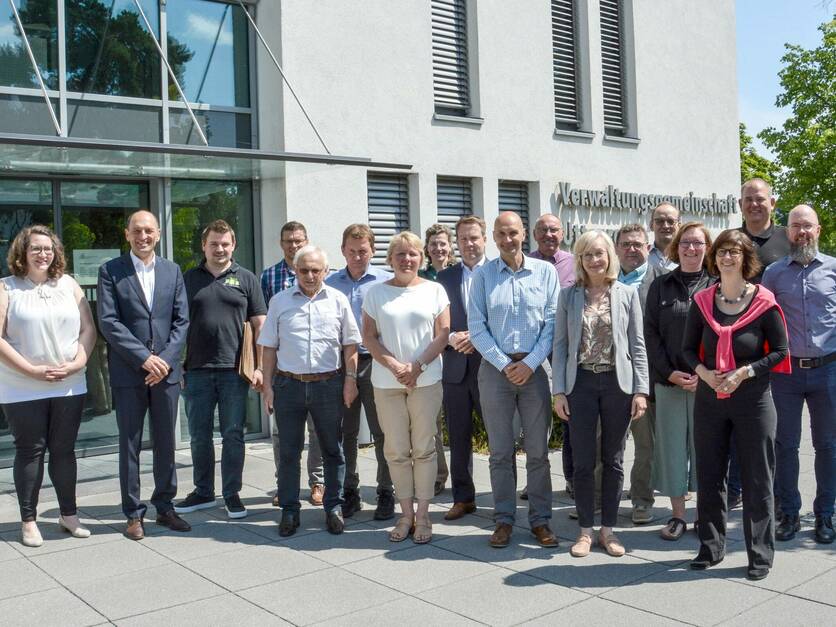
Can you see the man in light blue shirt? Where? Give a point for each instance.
(354, 281)
(511, 322)
(804, 284)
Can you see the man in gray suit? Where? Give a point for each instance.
(144, 316)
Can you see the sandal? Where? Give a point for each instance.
(674, 530)
(403, 529)
(423, 531)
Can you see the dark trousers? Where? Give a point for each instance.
(748, 418)
(817, 387)
(324, 401)
(351, 430)
(49, 424)
(206, 389)
(460, 400)
(566, 454)
(597, 398)
(160, 403)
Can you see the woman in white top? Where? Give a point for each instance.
(46, 335)
(406, 323)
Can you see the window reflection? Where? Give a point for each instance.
(40, 22)
(215, 69)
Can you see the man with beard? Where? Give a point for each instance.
(664, 222)
(804, 284)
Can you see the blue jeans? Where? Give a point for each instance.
(205, 389)
(817, 386)
(324, 401)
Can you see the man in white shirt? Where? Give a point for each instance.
(312, 330)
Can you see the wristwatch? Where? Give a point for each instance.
(351, 374)
(750, 371)
(421, 365)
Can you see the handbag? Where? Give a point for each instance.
(247, 360)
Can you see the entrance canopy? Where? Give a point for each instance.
(38, 154)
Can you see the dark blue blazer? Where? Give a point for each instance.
(456, 365)
(132, 330)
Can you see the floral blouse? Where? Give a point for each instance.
(596, 334)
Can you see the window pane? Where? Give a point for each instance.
(22, 202)
(114, 121)
(40, 21)
(210, 42)
(222, 128)
(109, 49)
(26, 114)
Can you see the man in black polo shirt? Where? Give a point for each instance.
(222, 295)
(758, 204)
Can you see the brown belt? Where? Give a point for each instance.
(309, 378)
(517, 356)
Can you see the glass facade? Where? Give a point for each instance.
(40, 23)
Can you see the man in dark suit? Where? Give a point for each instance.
(144, 316)
(461, 364)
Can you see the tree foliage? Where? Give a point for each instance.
(753, 165)
(805, 147)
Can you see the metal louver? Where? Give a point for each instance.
(513, 196)
(612, 61)
(388, 210)
(564, 63)
(455, 200)
(451, 85)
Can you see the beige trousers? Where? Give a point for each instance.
(408, 420)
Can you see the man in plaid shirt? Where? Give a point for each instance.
(275, 279)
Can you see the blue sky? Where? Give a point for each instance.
(763, 27)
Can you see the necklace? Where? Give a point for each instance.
(733, 301)
(40, 288)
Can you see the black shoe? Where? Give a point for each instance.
(824, 530)
(704, 561)
(734, 501)
(275, 501)
(352, 503)
(524, 494)
(787, 528)
(756, 574)
(171, 520)
(385, 506)
(194, 502)
(234, 507)
(289, 524)
(570, 489)
(334, 522)
(438, 488)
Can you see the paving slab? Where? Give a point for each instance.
(406, 612)
(21, 577)
(594, 610)
(358, 542)
(220, 611)
(91, 563)
(56, 607)
(212, 537)
(821, 589)
(786, 611)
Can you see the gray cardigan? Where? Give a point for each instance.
(628, 339)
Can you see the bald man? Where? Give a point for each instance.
(510, 317)
(144, 316)
(548, 233)
(804, 284)
(758, 206)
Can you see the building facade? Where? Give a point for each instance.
(593, 110)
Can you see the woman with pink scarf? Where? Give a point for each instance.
(735, 335)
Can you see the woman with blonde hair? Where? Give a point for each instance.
(46, 335)
(406, 324)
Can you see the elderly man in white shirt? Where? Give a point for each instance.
(313, 368)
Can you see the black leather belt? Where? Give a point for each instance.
(807, 363)
(597, 368)
(308, 378)
(517, 356)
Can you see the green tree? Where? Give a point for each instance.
(753, 165)
(805, 147)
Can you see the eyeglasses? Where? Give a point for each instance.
(734, 253)
(594, 256)
(551, 230)
(632, 245)
(807, 226)
(665, 221)
(46, 250)
(691, 244)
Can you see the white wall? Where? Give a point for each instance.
(364, 72)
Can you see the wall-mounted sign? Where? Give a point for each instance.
(86, 262)
(569, 197)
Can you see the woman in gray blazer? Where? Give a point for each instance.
(599, 367)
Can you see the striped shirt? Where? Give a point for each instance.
(513, 312)
(276, 279)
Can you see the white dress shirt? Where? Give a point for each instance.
(145, 275)
(467, 280)
(309, 333)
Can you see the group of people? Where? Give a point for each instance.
(685, 342)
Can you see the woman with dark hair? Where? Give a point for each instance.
(46, 335)
(674, 382)
(735, 335)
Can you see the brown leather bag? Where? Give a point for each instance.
(247, 361)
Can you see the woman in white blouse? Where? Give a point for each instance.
(46, 335)
(406, 323)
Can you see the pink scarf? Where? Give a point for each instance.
(763, 301)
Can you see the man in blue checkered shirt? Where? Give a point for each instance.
(292, 237)
(510, 317)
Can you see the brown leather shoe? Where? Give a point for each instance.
(501, 536)
(460, 509)
(135, 529)
(275, 501)
(171, 520)
(545, 536)
(317, 494)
